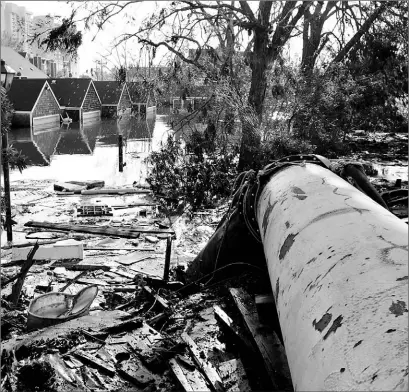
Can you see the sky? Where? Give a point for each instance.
(90, 50)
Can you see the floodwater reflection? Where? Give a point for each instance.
(90, 151)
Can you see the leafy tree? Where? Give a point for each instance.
(15, 158)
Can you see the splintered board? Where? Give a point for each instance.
(88, 210)
(266, 341)
(109, 231)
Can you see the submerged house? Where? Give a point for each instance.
(142, 99)
(115, 98)
(34, 103)
(78, 98)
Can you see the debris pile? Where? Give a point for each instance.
(111, 311)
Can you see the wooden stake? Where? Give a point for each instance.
(167, 258)
(16, 290)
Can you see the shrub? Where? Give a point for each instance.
(191, 174)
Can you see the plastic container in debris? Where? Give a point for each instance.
(55, 308)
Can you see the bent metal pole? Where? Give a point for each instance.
(338, 265)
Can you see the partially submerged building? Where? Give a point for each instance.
(115, 98)
(142, 99)
(78, 98)
(34, 103)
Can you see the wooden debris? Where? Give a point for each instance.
(77, 186)
(127, 325)
(91, 210)
(91, 360)
(132, 259)
(16, 290)
(81, 267)
(122, 273)
(135, 372)
(205, 366)
(73, 280)
(130, 249)
(113, 191)
(161, 301)
(167, 258)
(97, 282)
(266, 340)
(151, 239)
(232, 327)
(188, 379)
(185, 362)
(265, 308)
(125, 289)
(233, 374)
(109, 231)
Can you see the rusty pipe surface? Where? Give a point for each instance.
(338, 265)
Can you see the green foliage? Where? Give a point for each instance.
(16, 159)
(190, 174)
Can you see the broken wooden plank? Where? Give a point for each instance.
(205, 366)
(126, 248)
(161, 301)
(133, 371)
(93, 361)
(109, 231)
(77, 186)
(188, 381)
(113, 191)
(16, 290)
(127, 325)
(81, 267)
(73, 280)
(132, 259)
(233, 374)
(266, 340)
(232, 327)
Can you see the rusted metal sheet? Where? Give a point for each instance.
(338, 265)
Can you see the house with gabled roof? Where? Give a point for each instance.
(142, 99)
(78, 98)
(115, 98)
(34, 103)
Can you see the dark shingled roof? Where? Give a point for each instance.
(109, 92)
(70, 92)
(24, 93)
(139, 93)
(21, 64)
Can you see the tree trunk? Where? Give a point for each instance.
(261, 58)
(337, 263)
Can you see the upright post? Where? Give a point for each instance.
(338, 266)
(121, 153)
(6, 176)
(167, 258)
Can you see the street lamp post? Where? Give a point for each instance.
(7, 75)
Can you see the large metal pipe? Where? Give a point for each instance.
(338, 265)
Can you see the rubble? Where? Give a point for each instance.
(145, 329)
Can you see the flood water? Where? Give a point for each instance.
(90, 151)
